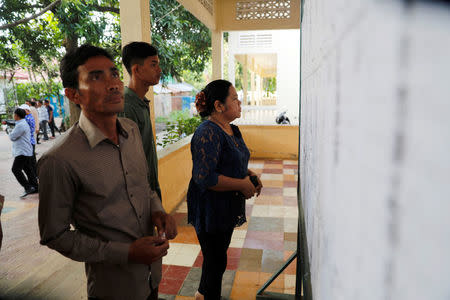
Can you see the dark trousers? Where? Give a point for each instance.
(43, 126)
(214, 248)
(23, 164)
(52, 127)
(33, 159)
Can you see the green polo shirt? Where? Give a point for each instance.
(138, 110)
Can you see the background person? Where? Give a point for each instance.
(51, 119)
(43, 119)
(23, 152)
(30, 120)
(35, 114)
(142, 63)
(220, 181)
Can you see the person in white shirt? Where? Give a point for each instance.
(43, 118)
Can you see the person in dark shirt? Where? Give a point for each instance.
(51, 119)
(220, 181)
(142, 63)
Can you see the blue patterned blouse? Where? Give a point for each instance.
(215, 153)
(30, 120)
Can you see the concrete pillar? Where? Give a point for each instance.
(252, 87)
(135, 26)
(245, 79)
(259, 88)
(216, 45)
(231, 69)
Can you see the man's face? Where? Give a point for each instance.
(100, 90)
(149, 71)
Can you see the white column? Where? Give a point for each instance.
(245, 79)
(231, 68)
(252, 86)
(216, 45)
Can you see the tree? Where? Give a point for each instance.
(34, 35)
(184, 43)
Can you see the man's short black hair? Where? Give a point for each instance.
(20, 113)
(46, 101)
(40, 101)
(72, 60)
(136, 53)
(33, 103)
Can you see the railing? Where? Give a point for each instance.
(269, 101)
(257, 115)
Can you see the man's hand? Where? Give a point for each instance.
(147, 250)
(165, 224)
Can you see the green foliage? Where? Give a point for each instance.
(179, 125)
(25, 91)
(182, 40)
(270, 84)
(195, 79)
(239, 79)
(38, 90)
(161, 119)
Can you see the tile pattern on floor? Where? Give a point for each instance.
(258, 248)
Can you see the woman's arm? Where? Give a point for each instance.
(225, 183)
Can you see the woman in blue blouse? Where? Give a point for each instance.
(220, 181)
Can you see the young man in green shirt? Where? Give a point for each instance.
(142, 63)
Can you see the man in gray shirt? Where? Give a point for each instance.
(22, 151)
(95, 179)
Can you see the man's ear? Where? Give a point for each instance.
(134, 70)
(73, 95)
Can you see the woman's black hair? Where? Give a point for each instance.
(215, 90)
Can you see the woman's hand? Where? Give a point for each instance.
(260, 185)
(247, 188)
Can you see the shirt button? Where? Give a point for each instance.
(140, 217)
(126, 172)
(131, 195)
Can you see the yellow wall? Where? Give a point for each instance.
(174, 173)
(175, 161)
(268, 141)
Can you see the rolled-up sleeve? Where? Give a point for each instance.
(205, 148)
(58, 186)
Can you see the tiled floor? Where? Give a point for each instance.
(258, 248)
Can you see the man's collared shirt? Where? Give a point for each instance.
(35, 114)
(42, 113)
(138, 110)
(100, 189)
(20, 136)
